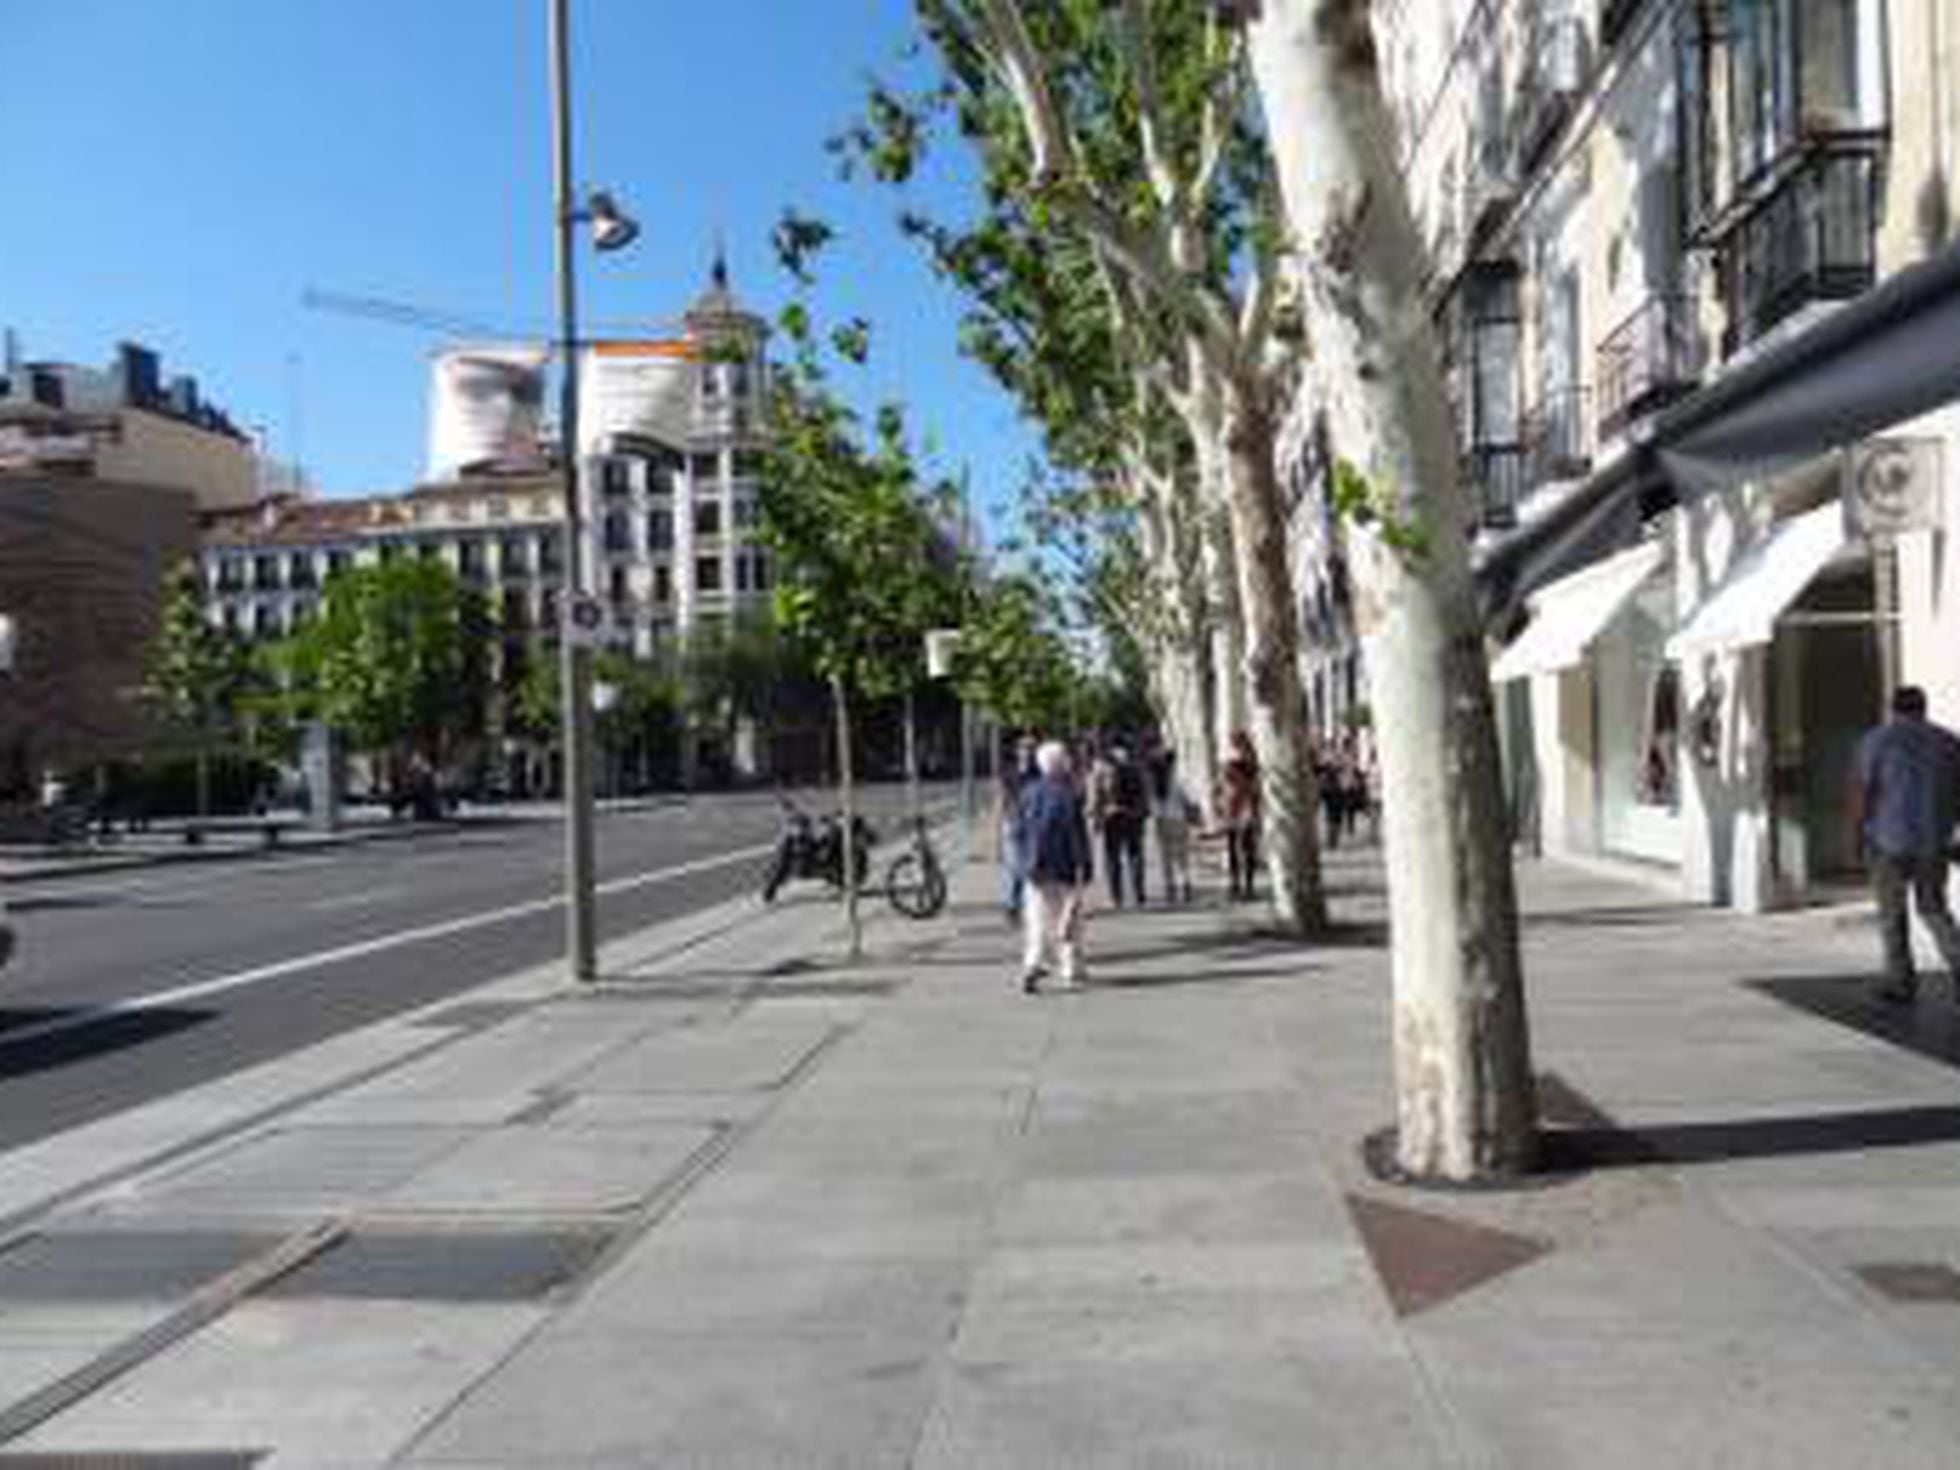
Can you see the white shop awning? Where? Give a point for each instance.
(1568, 614)
(1742, 612)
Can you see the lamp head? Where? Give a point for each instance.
(612, 229)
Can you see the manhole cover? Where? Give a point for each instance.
(1913, 1281)
(446, 1266)
(135, 1460)
(122, 1265)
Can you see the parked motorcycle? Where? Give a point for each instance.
(810, 848)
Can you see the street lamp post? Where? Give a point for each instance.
(611, 230)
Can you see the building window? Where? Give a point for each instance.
(551, 557)
(663, 582)
(704, 469)
(429, 551)
(338, 562)
(764, 574)
(660, 530)
(513, 557)
(621, 593)
(615, 477)
(618, 532)
(707, 517)
(265, 572)
(707, 574)
(231, 574)
(748, 512)
(741, 571)
(749, 464)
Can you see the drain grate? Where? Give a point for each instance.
(134, 1460)
(423, 1265)
(1913, 1281)
(121, 1265)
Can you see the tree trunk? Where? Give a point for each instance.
(1464, 1092)
(1205, 420)
(1278, 704)
(847, 808)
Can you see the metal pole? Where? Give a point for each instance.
(581, 927)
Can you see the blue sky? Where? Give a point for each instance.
(178, 172)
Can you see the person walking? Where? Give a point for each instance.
(1055, 859)
(1905, 804)
(1240, 804)
(1123, 807)
(1015, 775)
(1172, 811)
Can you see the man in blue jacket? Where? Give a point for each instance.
(1054, 841)
(1905, 804)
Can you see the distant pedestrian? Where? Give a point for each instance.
(1016, 774)
(1905, 805)
(1172, 812)
(1240, 805)
(1120, 807)
(1054, 837)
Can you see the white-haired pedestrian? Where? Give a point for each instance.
(1055, 859)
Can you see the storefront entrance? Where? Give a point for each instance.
(1826, 690)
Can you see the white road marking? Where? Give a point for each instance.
(355, 899)
(219, 985)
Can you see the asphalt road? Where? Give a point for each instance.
(261, 956)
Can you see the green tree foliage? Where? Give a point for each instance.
(398, 659)
(194, 673)
(1013, 662)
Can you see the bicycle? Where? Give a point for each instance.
(915, 883)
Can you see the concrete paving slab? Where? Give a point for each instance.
(29, 1364)
(547, 1171)
(688, 1399)
(327, 1383)
(668, 1287)
(1661, 1391)
(1253, 1413)
(756, 1054)
(793, 1214)
(300, 1169)
(1191, 1206)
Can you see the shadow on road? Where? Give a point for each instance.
(24, 1055)
(1566, 1150)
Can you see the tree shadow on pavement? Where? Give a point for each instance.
(1615, 916)
(1572, 1150)
(25, 1049)
(1931, 1028)
(1103, 977)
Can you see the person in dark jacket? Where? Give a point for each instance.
(1905, 804)
(1055, 861)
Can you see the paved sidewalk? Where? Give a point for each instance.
(747, 1206)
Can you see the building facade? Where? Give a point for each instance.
(670, 481)
(102, 475)
(1697, 277)
(672, 445)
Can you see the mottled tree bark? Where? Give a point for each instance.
(1465, 1105)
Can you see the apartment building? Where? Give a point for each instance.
(102, 474)
(1697, 275)
(672, 441)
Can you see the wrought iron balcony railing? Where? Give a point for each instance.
(1811, 237)
(1649, 360)
(1497, 472)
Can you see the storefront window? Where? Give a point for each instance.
(1659, 776)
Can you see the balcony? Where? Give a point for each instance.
(1809, 237)
(1648, 361)
(1558, 438)
(1497, 473)
(1548, 88)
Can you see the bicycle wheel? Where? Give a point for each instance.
(915, 887)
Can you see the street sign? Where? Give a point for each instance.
(942, 647)
(585, 619)
(1891, 486)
